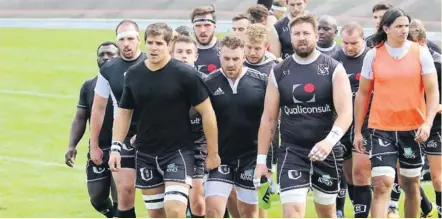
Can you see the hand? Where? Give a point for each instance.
(70, 156)
(114, 161)
(423, 133)
(213, 161)
(96, 155)
(132, 140)
(358, 143)
(320, 151)
(260, 171)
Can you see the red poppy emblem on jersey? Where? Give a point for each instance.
(211, 67)
(309, 88)
(358, 76)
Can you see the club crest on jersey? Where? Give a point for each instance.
(323, 69)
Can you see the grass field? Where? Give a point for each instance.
(40, 77)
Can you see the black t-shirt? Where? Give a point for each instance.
(331, 50)
(85, 102)
(283, 30)
(306, 99)
(163, 99)
(353, 67)
(238, 107)
(110, 82)
(437, 62)
(196, 122)
(208, 58)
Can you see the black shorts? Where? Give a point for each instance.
(433, 144)
(239, 172)
(98, 172)
(153, 171)
(387, 147)
(295, 170)
(127, 154)
(347, 143)
(199, 168)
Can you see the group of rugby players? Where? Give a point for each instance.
(201, 124)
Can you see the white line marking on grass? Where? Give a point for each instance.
(39, 162)
(37, 94)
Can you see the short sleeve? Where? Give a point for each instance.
(82, 101)
(195, 89)
(127, 100)
(427, 61)
(367, 70)
(102, 87)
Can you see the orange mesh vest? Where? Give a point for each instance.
(398, 93)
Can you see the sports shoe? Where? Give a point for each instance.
(430, 214)
(339, 214)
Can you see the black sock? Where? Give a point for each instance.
(396, 192)
(127, 214)
(350, 191)
(115, 209)
(226, 214)
(362, 201)
(197, 216)
(426, 206)
(340, 199)
(104, 208)
(439, 209)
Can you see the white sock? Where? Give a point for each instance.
(393, 204)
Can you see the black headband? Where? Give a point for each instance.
(204, 20)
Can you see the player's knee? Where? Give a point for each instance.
(214, 212)
(294, 196)
(436, 179)
(382, 185)
(323, 198)
(102, 206)
(409, 181)
(362, 175)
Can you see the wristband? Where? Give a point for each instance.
(261, 159)
(116, 146)
(335, 135)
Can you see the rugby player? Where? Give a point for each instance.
(271, 18)
(99, 178)
(432, 147)
(185, 49)
(295, 8)
(204, 24)
(239, 25)
(356, 165)
(110, 85)
(431, 45)
(399, 73)
(237, 94)
(327, 32)
(378, 11)
(163, 89)
(314, 94)
(184, 30)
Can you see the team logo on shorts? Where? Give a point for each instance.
(172, 168)
(323, 69)
(247, 175)
(383, 143)
(224, 169)
(294, 174)
(146, 174)
(408, 153)
(98, 170)
(326, 180)
(432, 144)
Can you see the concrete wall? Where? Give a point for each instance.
(344, 10)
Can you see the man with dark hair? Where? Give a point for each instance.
(378, 11)
(184, 30)
(314, 95)
(99, 178)
(356, 166)
(237, 93)
(239, 24)
(163, 89)
(327, 32)
(204, 23)
(110, 85)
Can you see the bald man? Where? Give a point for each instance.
(327, 31)
(418, 24)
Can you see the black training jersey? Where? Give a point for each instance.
(329, 51)
(238, 107)
(208, 58)
(196, 123)
(353, 66)
(111, 82)
(85, 102)
(437, 62)
(283, 30)
(306, 99)
(265, 66)
(163, 99)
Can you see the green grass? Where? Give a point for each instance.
(35, 129)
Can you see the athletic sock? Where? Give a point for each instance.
(438, 199)
(197, 216)
(362, 201)
(104, 208)
(226, 214)
(395, 193)
(426, 206)
(127, 214)
(340, 199)
(350, 190)
(115, 209)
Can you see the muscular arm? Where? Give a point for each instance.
(210, 127)
(121, 124)
(269, 117)
(364, 92)
(432, 96)
(78, 127)
(275, 44)
(342, 99)
(102, 92)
